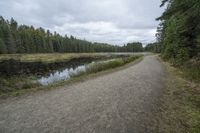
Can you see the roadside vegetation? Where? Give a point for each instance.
(178, 36)
(16, 85)
(180, 108)
(179, 32)
(105, 65)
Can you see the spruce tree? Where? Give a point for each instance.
(3, 49)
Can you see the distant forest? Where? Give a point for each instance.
(16, 38)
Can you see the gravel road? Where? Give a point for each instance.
(123, 101)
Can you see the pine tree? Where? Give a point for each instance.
(8, 39)
(3, 49)
(179, 30)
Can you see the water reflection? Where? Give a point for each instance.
(62, 75)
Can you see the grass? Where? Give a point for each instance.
(14, 84)
(180, 111)
(47, 58)
(191, 71)
(100, 66)
(20, 85)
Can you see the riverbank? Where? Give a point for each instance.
(21, 84)
(180, 110)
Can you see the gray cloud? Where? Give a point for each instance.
(110, 21)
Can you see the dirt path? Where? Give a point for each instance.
(123, 101)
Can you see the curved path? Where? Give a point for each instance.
(124, 101)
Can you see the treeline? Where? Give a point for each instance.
(16, 38)
(153, 47)
(132, 47)
(179, 30)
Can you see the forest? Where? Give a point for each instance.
(179, 31)
(153, 47)
(178, 36)
(16, 38)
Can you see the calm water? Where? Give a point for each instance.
(10, 68)
(62, 75)
(66, 74)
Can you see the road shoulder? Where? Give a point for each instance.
(180, 110)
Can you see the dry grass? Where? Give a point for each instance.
(180, 111)
(55, 57)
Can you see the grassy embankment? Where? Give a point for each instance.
(100, 66)
(21, 84)
(180, 111)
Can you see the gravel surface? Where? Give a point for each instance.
(124, 101)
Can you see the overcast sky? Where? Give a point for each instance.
(110, 21)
